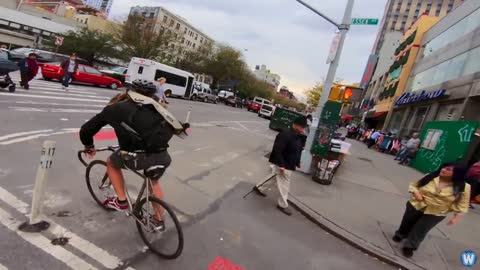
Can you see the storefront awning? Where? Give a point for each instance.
(373, 114)
(379, 114)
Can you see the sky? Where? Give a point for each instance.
(283, 34)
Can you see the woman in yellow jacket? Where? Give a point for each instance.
(433, 197)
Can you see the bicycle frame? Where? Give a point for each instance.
(143, 189)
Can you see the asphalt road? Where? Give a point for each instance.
(211, 170)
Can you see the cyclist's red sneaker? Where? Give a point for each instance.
(112, 203)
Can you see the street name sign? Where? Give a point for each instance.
(365, 21)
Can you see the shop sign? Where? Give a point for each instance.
(407, 98)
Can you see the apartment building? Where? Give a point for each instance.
(191, 37)
(399, 15)
(106, 6)
(264, 74)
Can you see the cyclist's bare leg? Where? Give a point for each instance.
(157, 192)
(116, 178)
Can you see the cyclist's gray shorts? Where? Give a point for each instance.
(152, 164)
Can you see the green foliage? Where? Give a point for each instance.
(90, 45)
(314, 94)
(142, 38)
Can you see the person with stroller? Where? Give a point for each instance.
(28, 70)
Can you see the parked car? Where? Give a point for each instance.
(234, 102)
(117, 73)
(204, 94)
(266, 111)
(42, 56)
(223, 95)
(86, 74)
(257, 104)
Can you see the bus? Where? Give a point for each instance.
(179, 82)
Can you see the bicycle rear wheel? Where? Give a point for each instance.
(97, 181)
(167, 242)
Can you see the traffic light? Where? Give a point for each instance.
(335, 93)
(352, 94)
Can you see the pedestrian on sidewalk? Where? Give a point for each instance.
(473, 178)
(373, 138)
(69, 67)
(433, 197)
(285, 157)
(28, 70)
(411, 147)
(160, 91)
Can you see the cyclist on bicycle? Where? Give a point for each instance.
(140, 129)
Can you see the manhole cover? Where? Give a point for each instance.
(365, 159)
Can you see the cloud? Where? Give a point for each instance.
(282, 34)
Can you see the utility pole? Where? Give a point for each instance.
(343, 29)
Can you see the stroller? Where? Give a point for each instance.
(7, 66)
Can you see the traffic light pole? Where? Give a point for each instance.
(306, 160)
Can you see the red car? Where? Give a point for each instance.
(254, 106)
(86, 74)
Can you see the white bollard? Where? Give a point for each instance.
(187, 120)
(35, 224)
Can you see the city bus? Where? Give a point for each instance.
(179, 82)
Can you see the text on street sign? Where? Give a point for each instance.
(367, 21)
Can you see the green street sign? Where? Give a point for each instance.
(365, 21)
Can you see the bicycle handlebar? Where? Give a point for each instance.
(108, 148)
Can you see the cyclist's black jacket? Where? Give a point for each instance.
(151, 132)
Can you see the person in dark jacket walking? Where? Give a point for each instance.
(69, 67)
(28, 69)
(285, 157)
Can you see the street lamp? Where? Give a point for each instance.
(343, 29)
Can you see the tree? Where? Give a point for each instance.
(226, 66)
(314, 94)
(196, 61)
(141, 37)
(90, 45)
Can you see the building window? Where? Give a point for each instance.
(165, 19)
(196, 36)
(152, 14)
(201, 40)
(194, 45)
(178, 26)
(172, 22)
(186, 29)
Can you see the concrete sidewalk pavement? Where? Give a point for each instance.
(365, 204)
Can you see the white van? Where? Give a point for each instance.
(179, 82)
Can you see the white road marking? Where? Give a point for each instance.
(90, 249)
(54, 97)
(2, 267)
(28, 138)
(43, 243)
(52, 110)
(52, 104)
(242, 126)
(66, 94)
(201, 148)
(54, 90)
(63, 119)
(23, 134)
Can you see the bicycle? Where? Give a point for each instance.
(140, 210)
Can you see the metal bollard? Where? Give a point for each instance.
(35, 224)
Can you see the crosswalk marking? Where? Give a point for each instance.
(90, 249)
(66, 94)
(52, 104)
(52, 110)
(55, 97)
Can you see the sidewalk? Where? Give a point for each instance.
(365, 203)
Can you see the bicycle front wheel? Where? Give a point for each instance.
(98, 183)
(165, 237)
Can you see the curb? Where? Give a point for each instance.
(351, 238)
